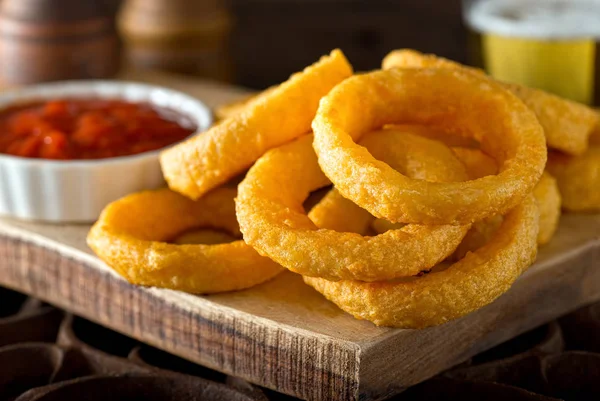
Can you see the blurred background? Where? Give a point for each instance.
(257, 43)
(254, 43)
(273, 37)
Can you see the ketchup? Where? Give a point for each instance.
(79, 129)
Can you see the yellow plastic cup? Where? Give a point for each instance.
(546, 44)
(563, 67)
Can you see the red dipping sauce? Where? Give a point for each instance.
(76, 129)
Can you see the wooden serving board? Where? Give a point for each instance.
(282, 334)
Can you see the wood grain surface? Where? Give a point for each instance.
(282, 334)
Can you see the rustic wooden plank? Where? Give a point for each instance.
(282, 334)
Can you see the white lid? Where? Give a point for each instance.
(555, 19)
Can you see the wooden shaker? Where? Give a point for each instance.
(47, 40)
(183, 36)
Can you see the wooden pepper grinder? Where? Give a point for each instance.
(184, 36)
(46, 40)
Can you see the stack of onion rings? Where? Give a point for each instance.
(439, 198)
(275, 224)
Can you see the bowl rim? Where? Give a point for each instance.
(203, 115)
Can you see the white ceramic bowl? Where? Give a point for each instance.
(77, 191)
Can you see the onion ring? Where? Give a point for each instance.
(411, 154)
(578, 179)
(274, 222)
(567, 124)
(436, 298)
(131, 233)
(277, 116)
(507, 130)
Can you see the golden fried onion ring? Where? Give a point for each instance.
(277, 116)
(567, 124)
(131, 236)
(436, 298)
(578, 179)
(413, 155)
(507, 130)
(274, 222)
